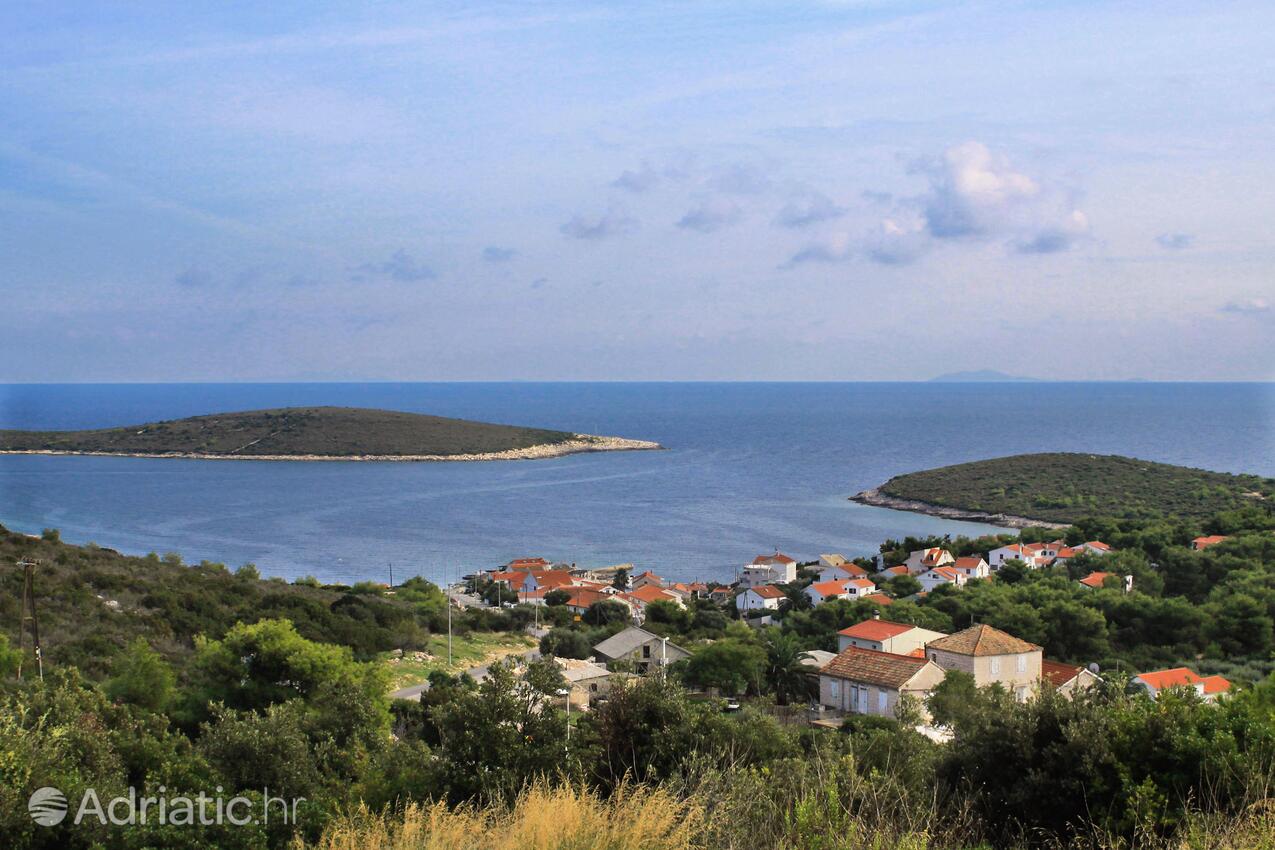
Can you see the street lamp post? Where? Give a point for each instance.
(566, 693)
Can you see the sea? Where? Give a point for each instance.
(749, 468)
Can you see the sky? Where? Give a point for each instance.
(297, 191)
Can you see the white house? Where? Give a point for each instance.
(941, 576)
(1022, 552)
(885, 636)
(927, 559)
(1207, 687)
(857, 588)
(759, 597)
(821, 591)
(971, 567)
(769, 569)
(842, 572)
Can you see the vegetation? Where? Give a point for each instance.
(321, 431)
(1062, 487)
(194, 677)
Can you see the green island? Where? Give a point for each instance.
(1061, 488)
(317, 433)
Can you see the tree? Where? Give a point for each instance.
(1012, 571)
(267, 662)
(605, 612)
(557, 597)
(249, 571)
(786, 671)
(621, 580)
(901, 586)
(953, 698)
(566, 643)
(10, 658)
(142, 677)
(730, 664)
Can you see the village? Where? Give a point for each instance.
(880, 667)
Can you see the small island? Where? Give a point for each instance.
(318, 433)
(1059, 488)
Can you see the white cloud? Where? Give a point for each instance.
(711, 215)
(1252, 307)
(598, 227)
(971, 190)
(814, 208)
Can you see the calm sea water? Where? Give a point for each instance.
(750, 468)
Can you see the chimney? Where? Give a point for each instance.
(876, 615)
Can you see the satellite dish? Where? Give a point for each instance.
(1093, 668)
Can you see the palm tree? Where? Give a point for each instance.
(785, 670)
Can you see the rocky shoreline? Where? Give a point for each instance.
(579, 444)
(878, 499)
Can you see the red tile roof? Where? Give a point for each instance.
(879, 598)
(768, 591)
(829, 588)
(1205, 542)
(1216, 685)
(583, 597)
(970, 562)
(1096, 544)
(982, 640)
(877, 630)
(650, 593)
(861, 583)
(1176, 677)
(1094, 579)
(777, 558)
(947, 573)
(874, 668)
(900, 570)
(933, 556)
(1057, 673)
(527, 563)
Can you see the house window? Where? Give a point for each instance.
(594, 687)
(834, 688)
(1022, 664)
(996, 666)
(646, 651)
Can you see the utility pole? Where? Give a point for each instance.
(29, 614)
(391, 575)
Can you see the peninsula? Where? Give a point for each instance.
(1060, 488)
(318, 433)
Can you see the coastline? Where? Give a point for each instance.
(877, 499)
(582, 443)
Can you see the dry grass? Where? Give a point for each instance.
(562, 818)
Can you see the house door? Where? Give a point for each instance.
(863, 700)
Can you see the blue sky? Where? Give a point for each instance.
(827, 190)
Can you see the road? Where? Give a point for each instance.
(413, 692)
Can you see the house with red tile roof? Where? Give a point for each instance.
(885, 636)
(1067, 679)
(1095, 579)
(759, 597)
(1026, 553)
(891, 572)
(990, 656)
(864, 681)
(940, 576)
(879, 598)
(769, 569)
(644, 578)
(927, 559)
(821, 591)
(648, 593)
(842, 571)
(1205, 542)
(582, 597)
(971, 566)
(1157, 681)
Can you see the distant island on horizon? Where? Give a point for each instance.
(318, 433)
